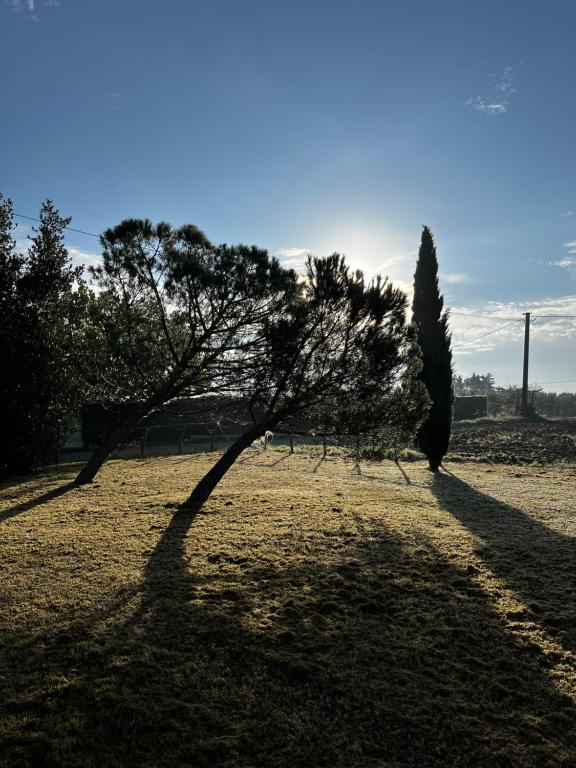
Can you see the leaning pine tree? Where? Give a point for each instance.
(334, 335)
(434, 339)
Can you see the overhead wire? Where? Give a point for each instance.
(486, 317)
(560, 381)
(483, 335)
(71, 229)
(459, 314)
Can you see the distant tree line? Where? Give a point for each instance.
(170, 315)
(506, 401)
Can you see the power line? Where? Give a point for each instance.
(561, 381)
(486, 334)
(486, 317)
(460, 314)
(495, 317)
(80, 231)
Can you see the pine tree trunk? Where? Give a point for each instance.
(170, 388)
(203, 490)
(119, 436)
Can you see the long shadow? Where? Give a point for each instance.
(376, 478)
(417, 634)
(277, 461)
(405, 477)
(245, 459)
(371, 655)
(403, 473)
(355, 652)
(318, 464)
(538, 563)
(25, 506)
(11, 489)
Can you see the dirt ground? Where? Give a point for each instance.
(308, 616)
(515, 441)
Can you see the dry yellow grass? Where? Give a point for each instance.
(309, 616)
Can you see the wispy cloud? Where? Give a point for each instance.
(290, 253)
(566, 214)
(468, 328)
(30, 7)
(395, 260)
(293, 257)
(567, 262)
(19, 6)
(408, 288)
(80, 257)
(490, 108)
(502, 88)
(457, 278)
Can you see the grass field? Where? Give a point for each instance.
(309, 616)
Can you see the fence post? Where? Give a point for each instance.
(291, 443)
(211, 442)
(181, 441)
(324, 447)
(143, 443)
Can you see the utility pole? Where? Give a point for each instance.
(524, 409)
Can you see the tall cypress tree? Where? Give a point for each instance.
(434, 339)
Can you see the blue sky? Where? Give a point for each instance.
(314, 126)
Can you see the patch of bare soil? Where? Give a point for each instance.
(309, 616)
(515, 442)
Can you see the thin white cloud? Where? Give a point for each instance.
(502, 89)
(564, 263)
(566, 214)
(293, 262)
(293, 257)
(506, 82)
(481, 105)
(395, 259)
(80, 257)
(468, 329)
(408, 288)
(290, 253)
(567, 262)
(457, 278)
(30, 7)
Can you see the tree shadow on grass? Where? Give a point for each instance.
(15, 487)
(538, 563)
(403, 473)
(282, 458)
(347, 648)
(25, 506)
